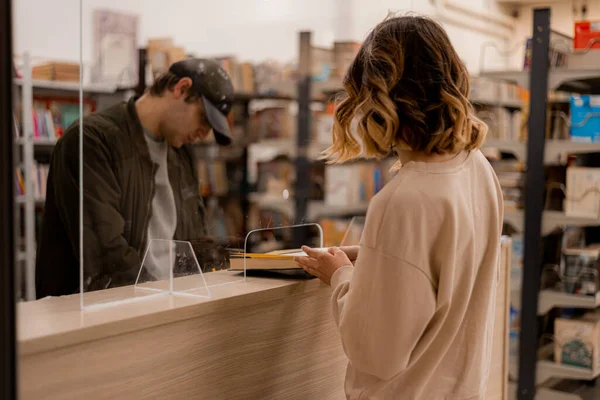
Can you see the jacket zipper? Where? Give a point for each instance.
(148, 209)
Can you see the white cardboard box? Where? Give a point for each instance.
(583, 192)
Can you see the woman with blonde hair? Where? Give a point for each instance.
(415, 312)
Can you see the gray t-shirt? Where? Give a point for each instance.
(163, 220)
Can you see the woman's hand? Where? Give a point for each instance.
(351, 252)
(323, 264)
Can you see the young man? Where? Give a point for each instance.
(139, 181)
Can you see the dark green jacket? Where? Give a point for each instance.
(118, 181)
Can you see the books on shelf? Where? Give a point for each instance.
(241, 73)
(56, 71)
(272, 123)
(560, 47)
(162, 52)
(39, 179)
(511, 176)
(357, 183)
(52, 116)
(212, 178)
(16, 127)
(493, 92)
(503, 124)
(43, 125)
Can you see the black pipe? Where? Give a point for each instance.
(8, 369)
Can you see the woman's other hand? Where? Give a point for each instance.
(323, 264)
(351, 252)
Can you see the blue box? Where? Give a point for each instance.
(585, 119)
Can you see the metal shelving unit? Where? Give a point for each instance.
(315, 209)
(554, 149)
(550, 299)
(73, 87)
(37, 142)
(550, 220)
(572, 80)
(534, 220)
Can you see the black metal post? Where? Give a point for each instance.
(302, 187)
(8, 369)
(534, 204)
(142, 60)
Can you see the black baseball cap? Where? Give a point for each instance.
(213, 85)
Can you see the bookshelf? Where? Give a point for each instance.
(67, 87)
(537, 375)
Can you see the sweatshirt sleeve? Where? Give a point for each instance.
(382, 307)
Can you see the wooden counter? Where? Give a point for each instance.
(263, 339)
(260, 339)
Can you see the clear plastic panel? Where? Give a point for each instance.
(271, 250)
(151, 193)
(354, 232)
(171, 266)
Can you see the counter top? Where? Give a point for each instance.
(55, 322)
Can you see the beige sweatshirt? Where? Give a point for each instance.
(416, 311)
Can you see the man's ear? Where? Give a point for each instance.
(182, 87)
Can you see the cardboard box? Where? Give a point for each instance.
(583, 192)
(158, 56)
(585, 118)
(343, 56)
(322, 63)
(586, 32)
(580, 270)
(577, 341)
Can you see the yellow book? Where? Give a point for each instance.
(273, 261)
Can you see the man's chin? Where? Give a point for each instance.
(176, 143)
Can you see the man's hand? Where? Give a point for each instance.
(323, 264)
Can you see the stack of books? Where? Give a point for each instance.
(57, 71)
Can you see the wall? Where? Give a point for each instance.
(251, 29)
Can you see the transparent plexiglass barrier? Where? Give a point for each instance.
(193, 269)
(354, 232)
(271, 250)
(171, 266)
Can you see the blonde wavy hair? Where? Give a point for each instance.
(406, 89)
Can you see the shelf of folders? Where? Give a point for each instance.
(573, 128)
(568, 301)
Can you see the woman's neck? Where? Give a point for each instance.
(407, 156)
